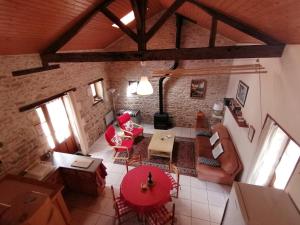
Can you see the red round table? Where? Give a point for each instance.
(142, 201)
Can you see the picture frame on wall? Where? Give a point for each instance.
(251, 133)
(242, 92)
(198, 88)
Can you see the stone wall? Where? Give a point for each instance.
(23, 141)
(177, 91)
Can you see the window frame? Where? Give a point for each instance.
(98, 97)
(290, 139)
(130, 82)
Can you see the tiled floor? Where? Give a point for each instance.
(199, 202)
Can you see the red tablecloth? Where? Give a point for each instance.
(156, 196)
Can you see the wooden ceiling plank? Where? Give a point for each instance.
(66, 36)
(224, 52)
(213, 32)
(118, 22)
(237, 25)
(176, 4)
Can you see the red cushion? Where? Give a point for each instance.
(109, 134)
(123, 119)
(137, 131)
(126, 143)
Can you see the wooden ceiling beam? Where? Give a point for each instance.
(71, 32)
(176, 4)
(140, 9)
(213, 32)
(237, 24)
(118, 22)
(224, 52)
(35, 70)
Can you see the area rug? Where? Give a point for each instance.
(183, 155)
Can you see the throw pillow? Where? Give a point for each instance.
(214, 138)
(128, 126)
(204, 133)
(217, 151)
(117, 140)
(208, 161)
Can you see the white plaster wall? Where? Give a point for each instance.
(280, 92)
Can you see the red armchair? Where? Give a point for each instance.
(119, 144)
(129, 127)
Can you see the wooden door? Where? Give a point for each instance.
(59, 125)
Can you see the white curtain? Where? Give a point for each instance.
(76, 122)
(271, 147)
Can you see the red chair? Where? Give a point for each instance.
(119, 144)
(129, 127)
(120, 206)
(161, 216)
(175, 183)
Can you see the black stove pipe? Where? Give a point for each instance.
(179, 20)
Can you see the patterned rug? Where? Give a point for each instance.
(183, 155)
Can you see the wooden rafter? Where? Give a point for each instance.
(176, 4)
(213, 32)
(273, 48)
(224, 52)
(140, 8)
(35, 70)
(237, 24)
(118, 22)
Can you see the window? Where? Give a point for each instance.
(97, 90)
(277, 159)
(132, 88)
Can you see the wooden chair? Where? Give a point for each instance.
(175, 183)
(120, 206)
(132, 161)
(161, 216)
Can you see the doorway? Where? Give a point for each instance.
(56, 126)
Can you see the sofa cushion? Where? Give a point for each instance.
(228, 159)
(208, 161)
(222, 131)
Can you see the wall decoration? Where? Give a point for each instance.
(251, 133)
(198, 88)
(242, 92)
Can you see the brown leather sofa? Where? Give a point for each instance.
(230, 164)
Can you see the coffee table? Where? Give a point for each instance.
(161, 144)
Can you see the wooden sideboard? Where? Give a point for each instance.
(26, 201)
(90, 180)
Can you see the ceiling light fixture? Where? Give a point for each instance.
(144, 87)
(128, 18)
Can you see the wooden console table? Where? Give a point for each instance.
(25, 201)
(90, 180)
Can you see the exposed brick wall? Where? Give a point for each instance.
(177, 91)
(23, 140)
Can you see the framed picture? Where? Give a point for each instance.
(198, 88)
(242, 92)
(251, 133)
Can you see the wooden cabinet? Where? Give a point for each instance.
(89, 180)
(31, 202)
(255, 205)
